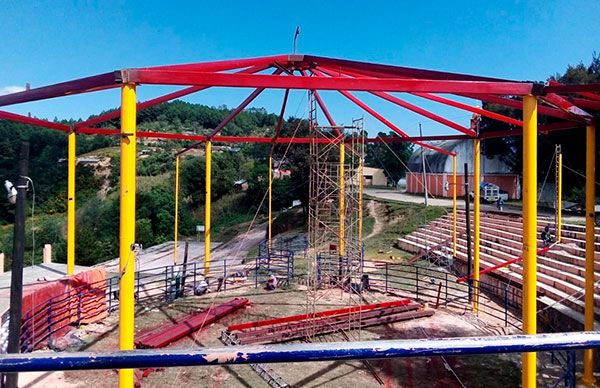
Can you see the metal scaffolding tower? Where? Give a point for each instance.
(335, 254)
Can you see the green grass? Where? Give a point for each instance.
(399, 220)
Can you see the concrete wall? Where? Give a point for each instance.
(374, 177)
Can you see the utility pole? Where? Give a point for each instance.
(468, 230)
(16, 283)
(424, 173)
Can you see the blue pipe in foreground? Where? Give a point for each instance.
(462, 346)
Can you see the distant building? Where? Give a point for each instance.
(374, 177)
(438, 167)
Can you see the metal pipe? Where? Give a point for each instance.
(207, 200)
(71, 202)
(176, 224)
(16, 277)
(476, 219)
(342, 192)
(454, 208)
(468, 230)
(590, 202)
(127, 227)
(529, 233)
(424, 172)
(301, 352)
(270, 212)
(558, 193)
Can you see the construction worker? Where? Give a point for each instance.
(546, 236)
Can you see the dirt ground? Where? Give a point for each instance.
(490, 371)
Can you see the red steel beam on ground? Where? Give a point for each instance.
(317, 83)
(506, 263)
(165, 335)
(413, 108)
(326, 313)
(155, 101)
(32, 121)
(82, 85)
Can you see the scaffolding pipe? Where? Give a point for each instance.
(207, 199)
(529, 234)
(71, 161)
(454, 212)
(590, 202)
(558, 193)
(270, 215)
(476, 219)
(301, 352)
(176, 226)
(127, 227)
(342, 191)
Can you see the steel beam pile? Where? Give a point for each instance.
(165, 335)
(303, 326)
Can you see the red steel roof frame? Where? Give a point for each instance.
(351, 75)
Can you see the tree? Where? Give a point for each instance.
(391, 157)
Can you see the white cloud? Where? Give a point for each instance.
(10, 89)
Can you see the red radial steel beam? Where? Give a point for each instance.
(81, 85)
(414, 108)
(566, 105)
(585, 103)
(241, 107)
(318, 83)
(449, 102)
(558, 126)
(227, 64)
(381, 70)
(459, 105)
(592, 96)
(281, 113)
(323, 107)
(158, 100)
(516, 104)
(561, 88)
(423, 112)
(388, 124)
(32, 121)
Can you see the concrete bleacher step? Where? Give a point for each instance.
(547, 285)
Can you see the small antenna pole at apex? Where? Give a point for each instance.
(295, 44)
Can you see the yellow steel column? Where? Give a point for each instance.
(559, 196)
(270, 222)
(590, 202)
(529, 233)
(176, 228)
(360, 201)
(342, 190)
(476, 219)
(127, 227)
(207, 200)
(454, 205)
(71, 203)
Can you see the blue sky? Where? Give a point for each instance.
(50, 41)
